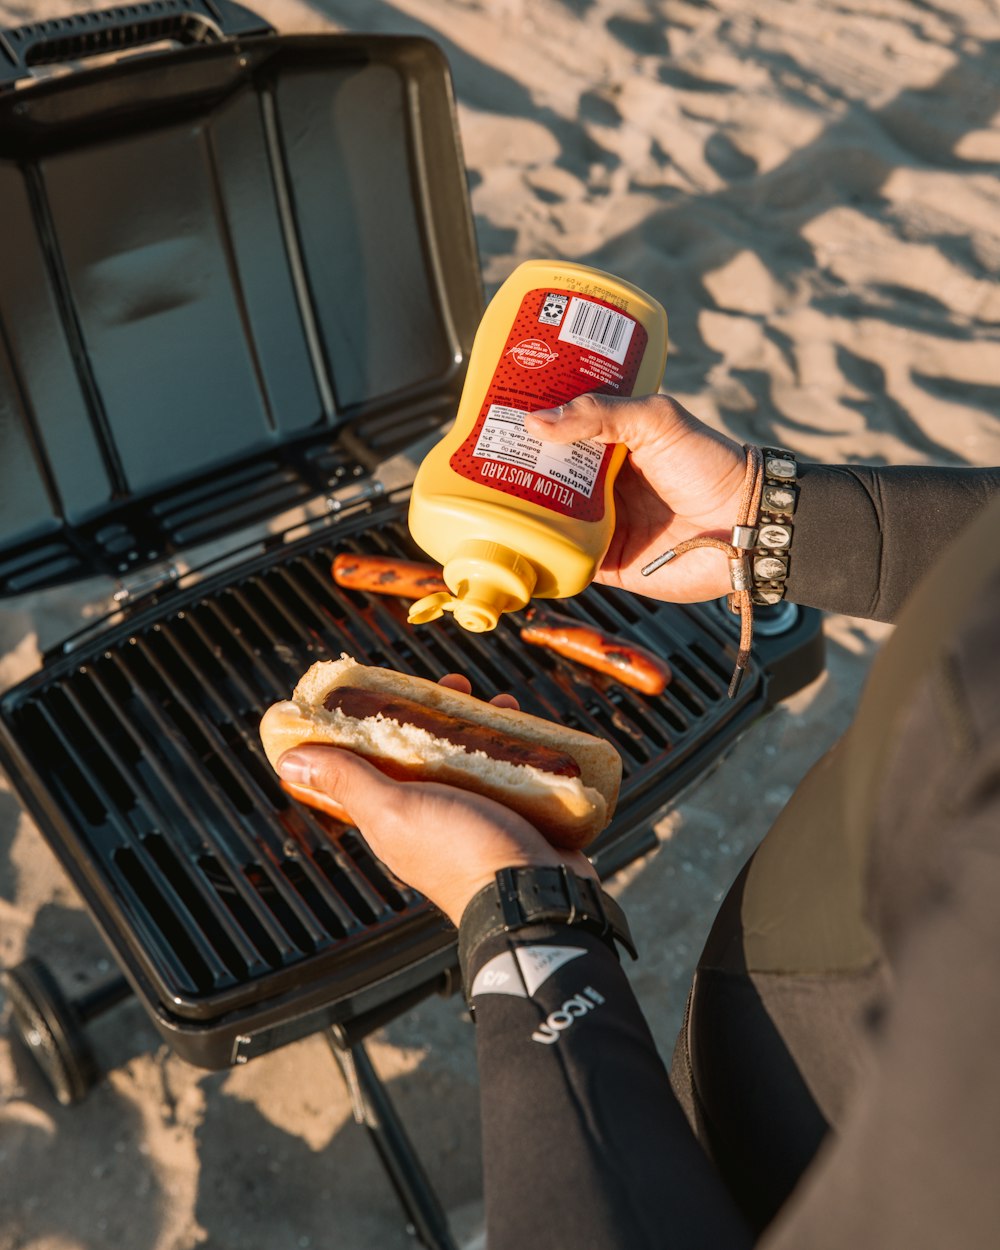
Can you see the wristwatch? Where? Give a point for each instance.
(519, 897)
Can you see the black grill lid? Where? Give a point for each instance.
(232, 275)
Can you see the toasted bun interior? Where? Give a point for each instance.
(570, 811)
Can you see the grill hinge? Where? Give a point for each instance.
(147, 582)
(335, 504)
(151, 581)
(166, 575)
(371, 488)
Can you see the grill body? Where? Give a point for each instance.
(243, 919)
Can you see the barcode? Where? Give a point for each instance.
(601, 329)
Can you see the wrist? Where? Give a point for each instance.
(455, 899)
(523, 897)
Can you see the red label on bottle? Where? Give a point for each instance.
(561, 345)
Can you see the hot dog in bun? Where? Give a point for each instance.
(564, 782)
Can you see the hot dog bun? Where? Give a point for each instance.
(569, 810)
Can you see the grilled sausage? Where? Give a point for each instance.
(384, 575)
(628, 662)
(360, 704)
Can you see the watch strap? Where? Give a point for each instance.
(519, 897)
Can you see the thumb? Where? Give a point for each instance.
(647, 422)
(354, 783)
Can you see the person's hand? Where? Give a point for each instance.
(443, 841)
(681, 480)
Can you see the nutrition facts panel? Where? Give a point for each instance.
(503, 438)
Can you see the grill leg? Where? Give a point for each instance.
(374, 1109)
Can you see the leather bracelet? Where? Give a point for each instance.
(761, 537)
(519, 897)
(738, 551)
(769, 561)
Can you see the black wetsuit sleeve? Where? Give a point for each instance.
(584, 1143)
(863, 537)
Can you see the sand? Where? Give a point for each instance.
(812, 192)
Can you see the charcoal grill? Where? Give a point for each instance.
(239, 276)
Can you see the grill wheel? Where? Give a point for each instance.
(51, 1029)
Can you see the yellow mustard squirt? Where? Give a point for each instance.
(509, 516)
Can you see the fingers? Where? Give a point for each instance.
(443, 841)
(456, 681)
(461, 683)
(505, 700)
(655, 419)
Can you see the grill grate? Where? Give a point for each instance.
(226, 891)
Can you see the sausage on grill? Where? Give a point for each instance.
(385, 575)
(628, 662)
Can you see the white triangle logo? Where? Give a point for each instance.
(499, 976)
(537, 963)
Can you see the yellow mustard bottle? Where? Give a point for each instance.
(508, 516)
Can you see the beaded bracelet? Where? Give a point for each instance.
(779, 495)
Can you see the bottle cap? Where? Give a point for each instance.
(485, 579)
